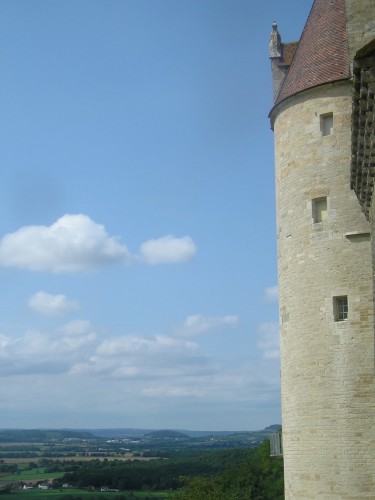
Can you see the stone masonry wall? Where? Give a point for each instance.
(360, 26)
(327, 366)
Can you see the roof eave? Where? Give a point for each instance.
(271, 114)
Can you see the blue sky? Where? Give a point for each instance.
(137, 232)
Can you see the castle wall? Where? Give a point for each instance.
(327, 365)
(360, 24)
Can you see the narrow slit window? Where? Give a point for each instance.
(319, 209)
(340, 308)
(326, 124)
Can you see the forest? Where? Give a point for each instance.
(248, 474)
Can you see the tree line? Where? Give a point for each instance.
(236, 474)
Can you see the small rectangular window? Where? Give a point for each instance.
(326, 124)
(340, 308)
(319, 209)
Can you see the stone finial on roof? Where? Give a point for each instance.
(281, 55)
(275, 42)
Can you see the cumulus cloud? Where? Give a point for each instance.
(168, 249)
(137, 344)
(46, 351)
(144, 357)
(4, 343)
(46, 304)
(198, 324)
(72, 243)
(271, 294)
(134, 375)
(173, 391)
(65, 340)
(76, 243)
(76, 349)
(156, 359)
(269, 341)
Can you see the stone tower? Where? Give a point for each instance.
(324, 252)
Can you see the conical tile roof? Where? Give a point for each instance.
(322, 54)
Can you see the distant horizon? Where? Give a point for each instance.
(132, 428)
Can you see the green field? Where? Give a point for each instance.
(38, 474)
(32, 475)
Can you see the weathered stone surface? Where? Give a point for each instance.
(327, 366)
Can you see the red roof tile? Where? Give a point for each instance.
(322, 53)
(289, 50)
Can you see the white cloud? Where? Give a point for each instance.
(168, 249)
(46, 352)
(144, 357)
(198, 324)
(52, 305)
(269, 341)
(4, 342)
(156, 380)
(73, 243)
(271, 294)
(170, 391)
(76, 328)
(137, 344)
(238, 395)
(76, 243)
